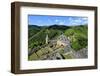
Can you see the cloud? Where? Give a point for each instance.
(61, 23)
(56, 20)
(78, 20)
(85, 18)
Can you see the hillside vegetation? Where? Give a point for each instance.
(78, 35)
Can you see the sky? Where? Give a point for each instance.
(47, 20)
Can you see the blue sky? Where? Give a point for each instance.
(47, 20)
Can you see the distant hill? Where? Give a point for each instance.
(32, 30)
(59, 27)
(34, 26)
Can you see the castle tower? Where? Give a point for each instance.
(46, 39)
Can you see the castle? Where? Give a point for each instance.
(61, 40)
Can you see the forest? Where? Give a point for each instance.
(78, 35)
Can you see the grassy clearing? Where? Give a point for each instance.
(68, 56)
(33, 57)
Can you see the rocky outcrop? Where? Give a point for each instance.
(83, 53)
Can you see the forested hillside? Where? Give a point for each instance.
(78, 35)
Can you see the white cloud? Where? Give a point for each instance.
(56, 20)
(78, 21)
(85, 18)
(61, 23)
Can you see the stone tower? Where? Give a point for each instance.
(46, 39)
